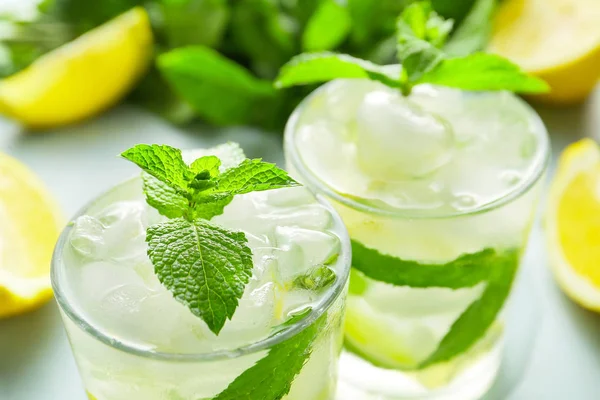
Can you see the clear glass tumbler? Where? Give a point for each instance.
(429, 282)
(119, 358)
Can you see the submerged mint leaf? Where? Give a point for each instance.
(165, 199)
(272, 376)
(205, 267)
(475, 321)
(327, 27)
(316, 279)
(322, 67)
(466, 271)
(161, 161)
(473, 33)
(253, 175)
(482, 71)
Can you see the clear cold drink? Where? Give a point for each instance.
(133, 341)
(438, 191)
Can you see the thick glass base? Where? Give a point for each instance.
(360, 380)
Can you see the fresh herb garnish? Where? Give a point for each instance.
(205, 266)
(421, 38)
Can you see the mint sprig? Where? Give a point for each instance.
(421, 38)
(205, 266)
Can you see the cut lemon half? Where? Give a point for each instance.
(573, 223)
(83, 77)
(30, 227)
(556, 40)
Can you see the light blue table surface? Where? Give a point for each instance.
(553, 347)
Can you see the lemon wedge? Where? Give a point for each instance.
(556, 40)
(30, 227)
(573, 223)
(83, 77)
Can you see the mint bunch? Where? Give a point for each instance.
(421, 36)
(205, 266)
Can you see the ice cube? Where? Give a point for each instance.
(124, 300)
(87, 237)
(96, 279)
(397, 139)
(312, 216)
(344, 96)
(301, 249)
(289, 197)
(125, 230)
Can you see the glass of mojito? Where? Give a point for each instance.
(438, 192)
(210, 277)
(434, 166)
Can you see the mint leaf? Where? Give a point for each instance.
(168, 201)
(210, 205)
(327, 27)
(254, 175)
(206, 163)
(272, 376)
(217, 88)
(482, 71)
(420, 34)
(205, 267)
(481, 314)
(161, 161)
(316, 279)
(466, 271)
(321, 67)
(473, 33)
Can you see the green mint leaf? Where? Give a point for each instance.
(473, 33)
(475, 321)
(482, 71)
(167, 200)
(272, 376)
(218, 89)
(180, 20)
(161, 161)
(210, 205)
(421, 33)
(327, 27)
(316, 279)
(205, 267)
(466, 271)
(206, 163)
(253, 175)
(322, 67)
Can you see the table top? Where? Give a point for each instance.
(553, 346)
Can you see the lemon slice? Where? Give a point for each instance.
(29, 229)
(556, 40)
(83, 77)
(573, 223)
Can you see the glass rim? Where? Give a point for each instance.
(316, 185)
(57, 279)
